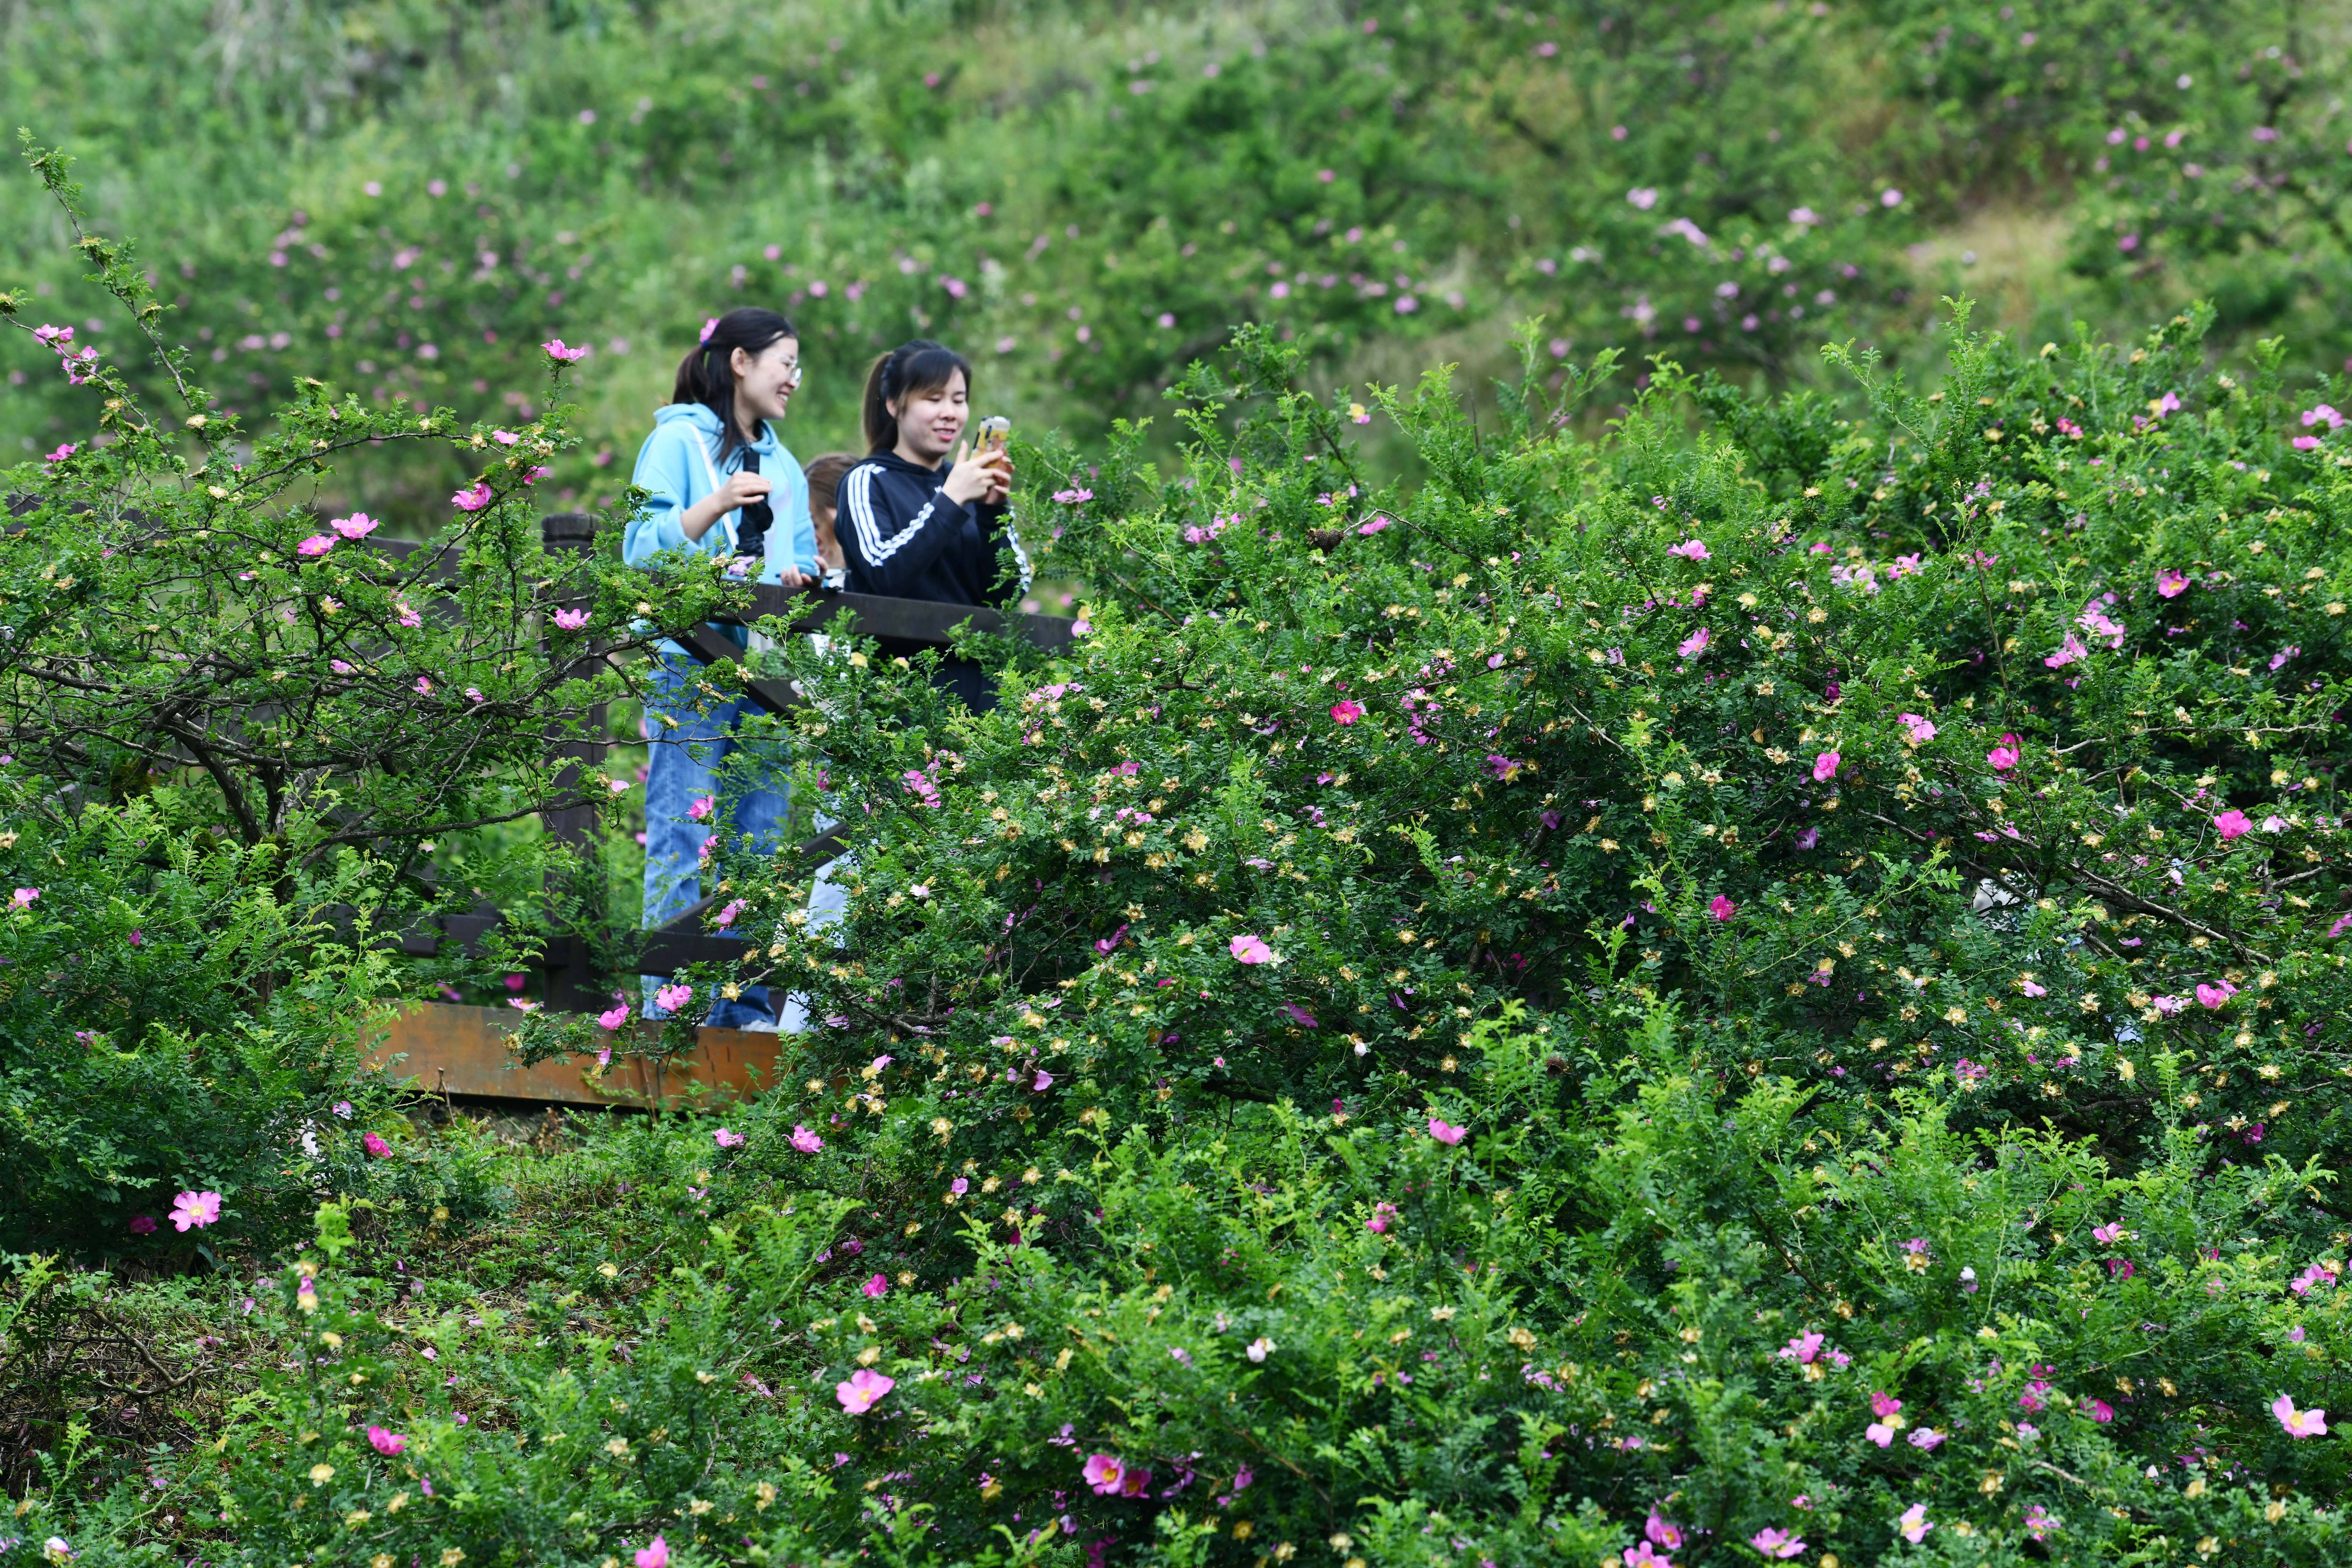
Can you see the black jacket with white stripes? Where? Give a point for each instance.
(904, 539)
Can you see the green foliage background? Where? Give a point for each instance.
(404, 196)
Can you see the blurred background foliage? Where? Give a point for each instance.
(406, 195)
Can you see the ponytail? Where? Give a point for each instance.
(903, 372)
(706, 375)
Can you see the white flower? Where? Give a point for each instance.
(1260, 1348)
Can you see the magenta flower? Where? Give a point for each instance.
(728, 915)
(2215, 995)
(473, 497)
(1250, 949)
(2234, 823)
(62, 454)
(317, 544)
(1690, 549)
(863, 1389)
(1916, 727)
(374, 1144)
(558, 351)
(1914, 1523)
(1776, 1544)
(2299, 1423)
(195, 1210)
(615, 1016)
(670, 998)
(2006, 755)
(384, 1442)
(1345, 711)
(1884, 1405)
(806, 1142)
(142, 1225)
(1445, 1133)
(2069, 650)
(654, 1556)
(1375, 526)
(1803, 1349)
(701, 807)
(1693, 645)
(877, 1288)
(2171, 584)
(1383, 1214)
(1825, 767)
(726, 1138)
(1301, 1016)
(1103, 1472)
(2102, 1412)
(571, 620)
(1721, 908)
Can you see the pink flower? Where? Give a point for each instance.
(22, 899)
(62, 454)
(424, 686)
(670, 998)
(727, 915)
(1250, 950)
(1776, 1544)
(359, 525)
(409, 616)
(1103, 1472)
(571, 620)
(2068, 652)
(2171, 584)
(1880, 1433)
(1667, 1535)
(2006, 755)
(384, 1442)
(1690, 549)
(2167, 1006)
(1693, 645)
(656, 1555)
(142, 1225)
(727, 1138)
(1445, 1133)
(1345, 711)
(877, 1288)
(1825, 767)
(1383, 1214)
(613, 1017)
(374, 1144)
(2234, 823)
(563, 355)
(1917, 727)
(2299, 1423)
(1803, 1349)
(2215, 995)
(2102, 1412)
(1041, 1082)
(863, 1389)
(317, 544)
(1884, 1405)
(2031, 989)
(1374, 526)
(195, 1210)
(473, 497)
(701, 808)
(2322, 415)
(1721, 908)
(1641, 1554)
(806, 1142)
(1914, 1523)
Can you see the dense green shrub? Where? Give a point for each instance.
(241, 749)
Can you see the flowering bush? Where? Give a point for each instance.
(242, 752)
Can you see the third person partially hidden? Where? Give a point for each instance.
(922, 517)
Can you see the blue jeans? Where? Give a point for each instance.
(691, 737)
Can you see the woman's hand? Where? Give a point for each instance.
(977, 478)
(737, 490)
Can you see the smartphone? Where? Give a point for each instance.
(989, 436)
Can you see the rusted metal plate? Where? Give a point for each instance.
(463, 1050)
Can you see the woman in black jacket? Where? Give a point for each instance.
(920, 517)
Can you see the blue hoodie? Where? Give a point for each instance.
(680, 465)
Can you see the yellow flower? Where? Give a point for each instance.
(452, 1556)
(322, 1474)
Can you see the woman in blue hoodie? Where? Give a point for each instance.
(721, 483)
(916, 523)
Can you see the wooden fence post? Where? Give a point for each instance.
(570, 975)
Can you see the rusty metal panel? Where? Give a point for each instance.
(463, 1050)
